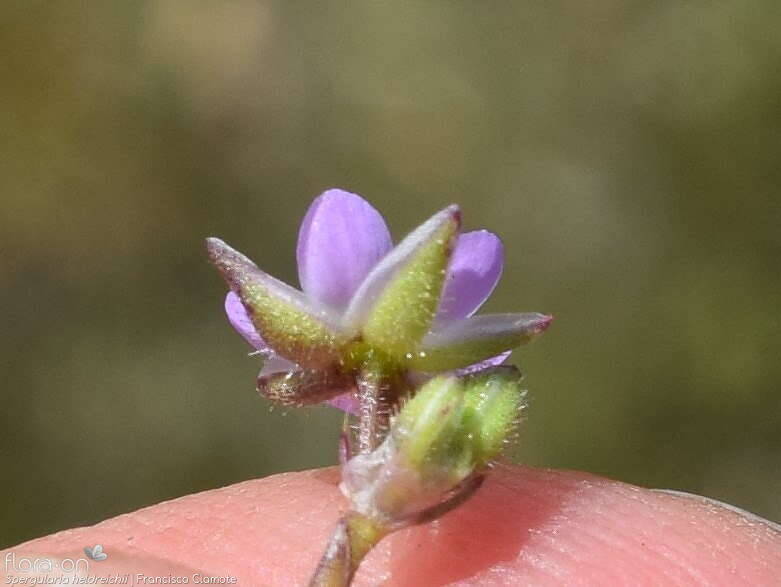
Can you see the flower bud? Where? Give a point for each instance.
(493, 400)
(446, 433)
(427, 429)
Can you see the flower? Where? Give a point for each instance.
(410, 307)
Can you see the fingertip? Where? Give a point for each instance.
(525, 526)
(538, 527)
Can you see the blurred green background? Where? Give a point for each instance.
(626, 151)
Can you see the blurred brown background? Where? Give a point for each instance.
(626, 151)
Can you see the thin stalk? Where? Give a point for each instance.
(374, 406)
(345, 441)
(355, 535)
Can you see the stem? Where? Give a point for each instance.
(345, 441)
(355, 535)
(374, 407)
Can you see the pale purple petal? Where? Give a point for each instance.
(346, 402)
(240, 320)
(474, 271)
(276, 364)
(487, 364)
(341, 238)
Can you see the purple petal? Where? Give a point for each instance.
(276, 364)
(341, 238)
(418, 378)
(487, 364)
(240, 320)
(474, 271)
(346, 402)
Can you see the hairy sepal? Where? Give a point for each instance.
(396, 303)
(475, 339)
(291, 324)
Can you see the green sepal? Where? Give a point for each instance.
(476, 339)
(292, 325)
(302, 387)
(397, 302)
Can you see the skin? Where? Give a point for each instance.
(523, 527)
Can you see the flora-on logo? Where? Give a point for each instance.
(95, 553)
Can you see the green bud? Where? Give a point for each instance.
(428, 426)
(493, 401)
(442, 437)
